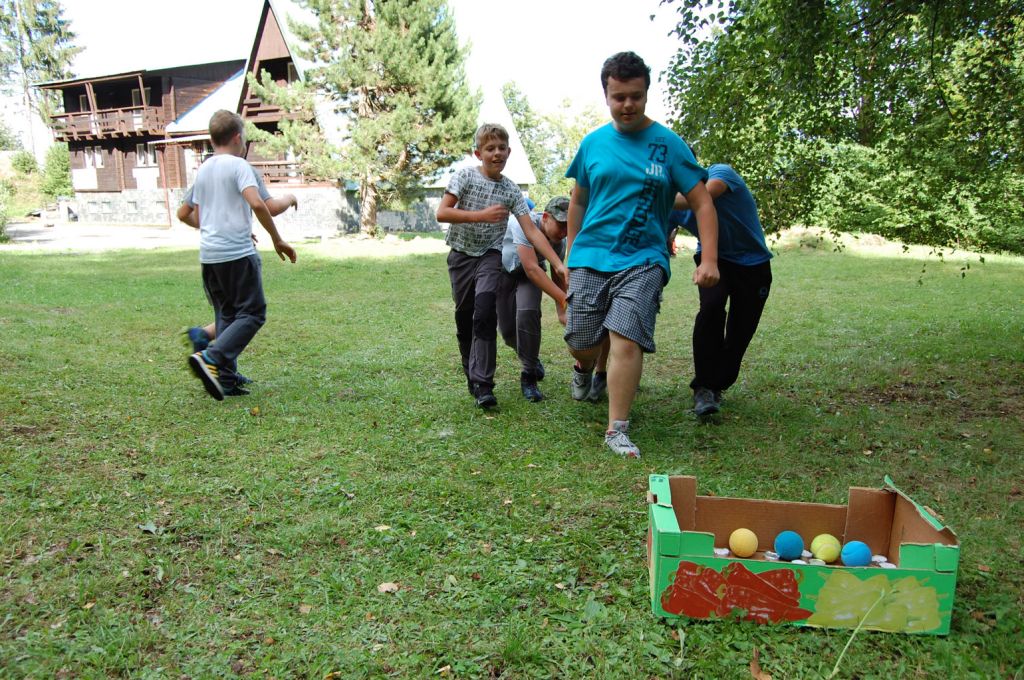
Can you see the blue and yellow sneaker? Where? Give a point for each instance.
(208, 373)
(197, 338)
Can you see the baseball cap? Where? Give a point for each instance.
(530, 204)
(558, 207)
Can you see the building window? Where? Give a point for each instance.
(97, 156)
(83, 102)
(133, 206)
(87, 151)
(145, 155)
(137, 97)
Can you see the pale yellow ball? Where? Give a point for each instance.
(743, 543)
(826, 547)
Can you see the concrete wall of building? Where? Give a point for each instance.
(323, 211)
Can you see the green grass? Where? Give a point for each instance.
(517, 540)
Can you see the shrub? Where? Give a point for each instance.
(57, 172)
(24, 163)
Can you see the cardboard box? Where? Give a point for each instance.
(689, 580)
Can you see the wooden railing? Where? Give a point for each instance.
(131, 120)
(280, 172)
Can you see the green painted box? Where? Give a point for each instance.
(689, 580)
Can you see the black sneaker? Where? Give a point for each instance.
(528, 383)
(704, 403)
(540, 370)
(242, 380)
(484, 395)
(235, 391)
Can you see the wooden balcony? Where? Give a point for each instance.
(283, 172)
(109, 123)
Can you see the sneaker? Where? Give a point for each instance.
(197, 337)
(235, 391)
(704, 402)
(598, 387)
(528, 383)
(207, 372)
(619, 442)
(580, 385)
(243, 380)
(485, 396)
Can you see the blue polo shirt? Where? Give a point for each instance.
(632, 179)
(740, 236)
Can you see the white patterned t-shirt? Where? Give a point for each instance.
(474, 191)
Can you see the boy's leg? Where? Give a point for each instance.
(242, 315)
(484, 352)
(462, 273)
(709, 331)
(506, 307)
(528, 297)
(750, 289)
(585, 333)
(625, 366)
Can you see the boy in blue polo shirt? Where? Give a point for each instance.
(627, 175)
(720, 338)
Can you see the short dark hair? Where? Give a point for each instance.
(625, 66)
(224, 125)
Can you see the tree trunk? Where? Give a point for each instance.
(368, 206)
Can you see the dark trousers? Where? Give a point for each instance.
(235, 289)
(519, 318)
(721, 338)
(474, 290)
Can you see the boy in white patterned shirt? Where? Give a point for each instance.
(477, 203)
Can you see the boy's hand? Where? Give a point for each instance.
(283, 249)
(254, 239)
(293, 201)
(706, 274)
(494, 214)
(563, 273)
(561, 308)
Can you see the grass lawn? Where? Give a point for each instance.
(148, 531)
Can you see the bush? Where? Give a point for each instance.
(57, 172)
(24, 163)
(8, 140)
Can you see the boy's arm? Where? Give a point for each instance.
(448, 213)
(538, 277)
(259, 208)
(703, 207)
(276, 206)
(716, 188)
(189, 215)
(540, 242)
(578, 200)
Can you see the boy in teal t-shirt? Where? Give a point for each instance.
(627, 175)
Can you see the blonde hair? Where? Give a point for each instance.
(488, 131)
(224, 125)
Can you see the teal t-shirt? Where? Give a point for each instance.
(632, 179)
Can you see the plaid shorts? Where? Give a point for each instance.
(625, 302)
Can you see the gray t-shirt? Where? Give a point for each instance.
(515, 237)
(225, 218)
(474, 191)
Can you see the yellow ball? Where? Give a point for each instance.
(743, 543)
(826, 547)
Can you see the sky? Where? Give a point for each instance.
(553, 49)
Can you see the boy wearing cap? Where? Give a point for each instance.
(519, 291)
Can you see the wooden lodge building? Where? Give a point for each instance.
(137, 138)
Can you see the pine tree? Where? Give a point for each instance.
(396, 70)
(36, 45)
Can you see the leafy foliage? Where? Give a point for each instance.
(24, 163)
(550, 140)
(36, 44)
(395, 69)
(57, 172)
(8, 140)
(902, 118)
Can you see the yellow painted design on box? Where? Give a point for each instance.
(906, 605)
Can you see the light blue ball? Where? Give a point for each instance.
(856, 554)
(790, 546)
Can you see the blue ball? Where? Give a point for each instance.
(856, 554)
(789, 545)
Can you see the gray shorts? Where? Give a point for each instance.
(625, 302)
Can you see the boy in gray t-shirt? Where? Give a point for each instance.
(226, 197)
(476, 204)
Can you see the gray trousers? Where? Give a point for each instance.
(519, 318)
(475, 290)
(235, 289)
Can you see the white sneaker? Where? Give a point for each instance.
(580, 384)
(619, 442)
